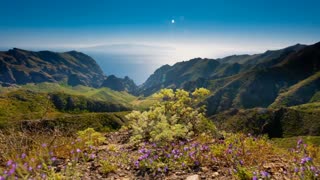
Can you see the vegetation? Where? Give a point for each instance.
(173, 135)
(175, 116)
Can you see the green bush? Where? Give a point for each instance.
(176, 115)
(91, 137)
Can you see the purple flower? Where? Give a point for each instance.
(166, 169)
(44, 145)
(9, 162)
(2, 178)
(92, 156)
(192, 153)
(264, 174)
(53, 159)
(78, 150)
(137, 163)
(305, 160)
(241, 162)
(30, 168)
(39, 166)
(299, 142)
(197, 163)
(254, 178)
(185, 148)
(11, 171)
(205, 147)
(23, 155)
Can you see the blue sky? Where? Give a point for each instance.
(68, 23)
(202, 28)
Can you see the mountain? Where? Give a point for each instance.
(260, 87)
(277, 78)
(195, 71)
(120, 84)
(20, 67)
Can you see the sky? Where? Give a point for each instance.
(164, 31)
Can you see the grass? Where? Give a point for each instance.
(103, 94)
(291, 142)
(309, 107)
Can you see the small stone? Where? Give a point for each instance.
(215, 174)
(204, 169)
(193, 177)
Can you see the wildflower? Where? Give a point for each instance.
(312, 168)
(23, 155)
(92, 156)
(39, 166)
(185, 148)
(166, 169)
(137, 163)
(305, 160)
(11, 171)
(254, 178)
(9, 162)
(43, 176)
(159, 169)
(51, 153)
(2, 178)
(296, 170)
(53, 159)
(44, 145)
(30, 168)
(264, 174)
(197, 163)
(205, 147)
(78, 150)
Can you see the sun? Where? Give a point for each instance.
(172, 21)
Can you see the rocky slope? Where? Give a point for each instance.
(246, 81)
(20, 67)
(120, 84)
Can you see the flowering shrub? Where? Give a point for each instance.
(91, 137)
(176, 115)
(303, 163)
(46, 160)
(179, 155)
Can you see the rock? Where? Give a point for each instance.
(193, 177)
(215, 174)
(204, 169)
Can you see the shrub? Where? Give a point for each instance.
(176, 115)
(91, 137)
